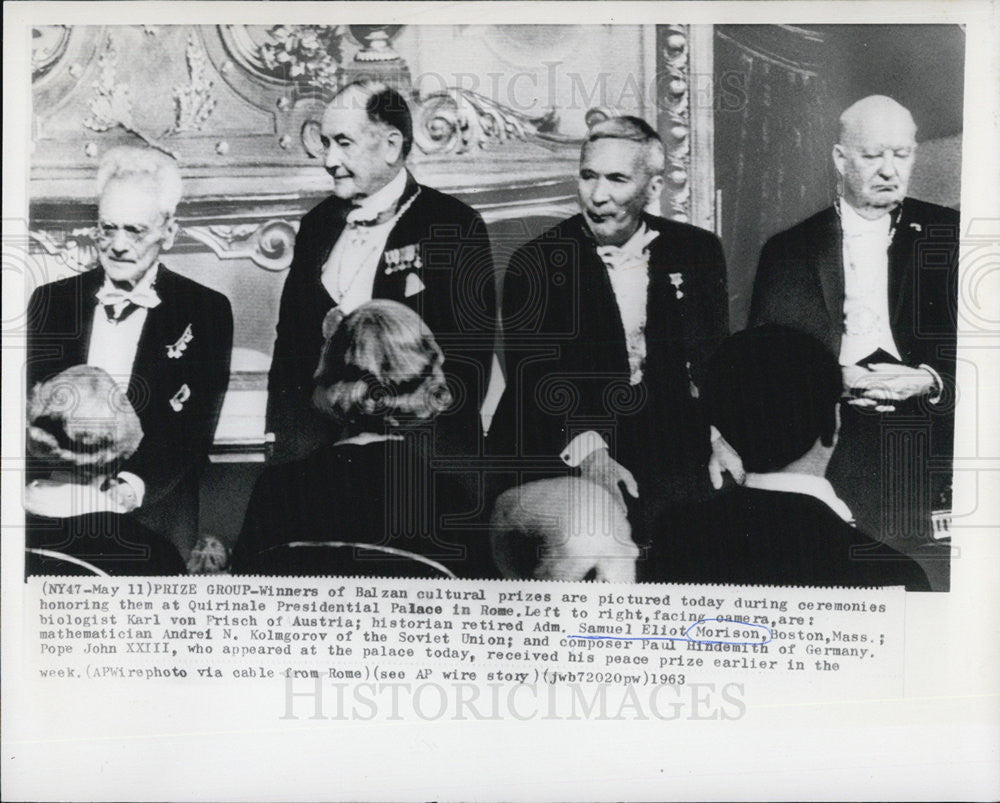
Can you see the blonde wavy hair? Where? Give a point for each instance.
(380, 368)
(81, 419)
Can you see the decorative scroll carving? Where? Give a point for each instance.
(269, 245)
(76, 249)
(457, 120)
(111, 106)
(48, 44)
(231, 233)
(673, 96)
(193, 103)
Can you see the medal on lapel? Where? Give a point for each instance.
(405, 258)
(176, 350)
(180, 397)
(677, 279)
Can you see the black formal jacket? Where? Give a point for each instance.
(800, 282)
(384, 493)
(177, 434)
(567, 367)
(749, 536)
(458, 303)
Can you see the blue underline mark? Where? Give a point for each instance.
(687, 635)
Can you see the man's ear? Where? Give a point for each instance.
(839, 158)
(170, 229)
(654, 189)
(393, 146)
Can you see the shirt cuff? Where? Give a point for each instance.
(938, 391)
(581, 447)
(135, 483)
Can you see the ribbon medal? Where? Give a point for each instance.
(405, 258)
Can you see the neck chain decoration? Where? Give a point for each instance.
(360, 234)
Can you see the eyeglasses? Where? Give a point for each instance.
(106, 232)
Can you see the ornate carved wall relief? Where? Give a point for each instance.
(239, 106)
(685, 121)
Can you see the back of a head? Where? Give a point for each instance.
(772, 391)
(80, 419)
(380, 365)
(565, 528)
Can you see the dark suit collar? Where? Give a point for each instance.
(830, 270)
(412, 188)
(411, 228)
(902, 255)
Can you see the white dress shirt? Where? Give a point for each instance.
(866, 286)
(808, 484)
(349, 272)
(113, 346)
(628, 270)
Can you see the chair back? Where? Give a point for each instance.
(311, 558)
(58, 564)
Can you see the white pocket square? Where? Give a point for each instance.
(413, 285)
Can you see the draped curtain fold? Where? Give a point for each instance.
(773, 134)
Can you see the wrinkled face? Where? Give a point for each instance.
(131, 230)
(361, 156)
(614, 187)
(876, 160)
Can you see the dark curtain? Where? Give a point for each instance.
(779, 90)
(772, 141)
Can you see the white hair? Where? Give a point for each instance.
(131, 163)
(632, 129)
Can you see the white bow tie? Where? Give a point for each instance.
(634, 254)
(119, 303)
(111, 296)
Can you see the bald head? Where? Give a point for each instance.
(874, 154)
(566, 528)
(872, 114)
